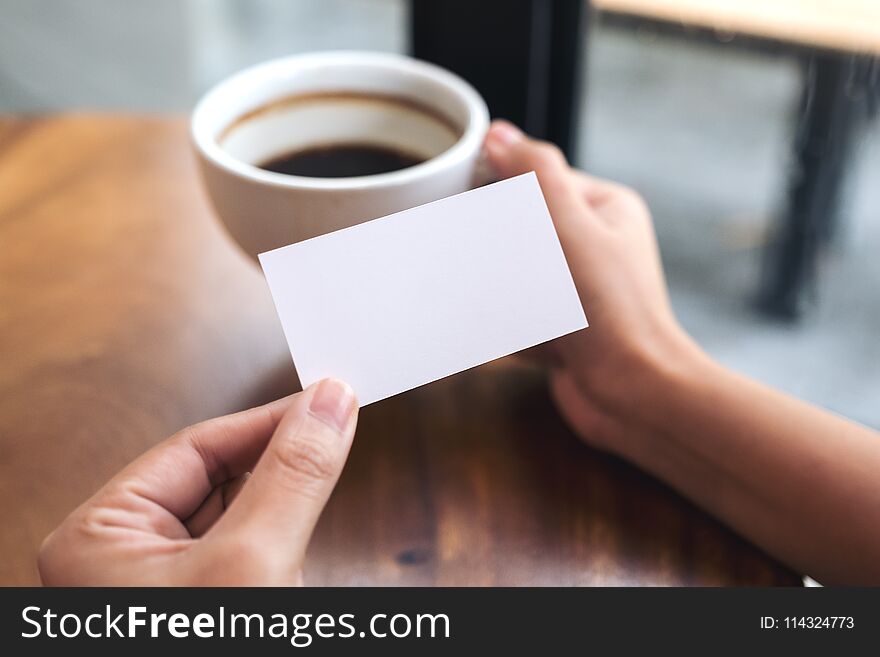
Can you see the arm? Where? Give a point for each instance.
(800, 482)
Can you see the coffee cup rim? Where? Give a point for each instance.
(205, 139)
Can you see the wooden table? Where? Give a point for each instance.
(838, 45)
(847, 25)
(125, 313)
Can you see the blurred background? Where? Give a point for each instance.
(702, 122)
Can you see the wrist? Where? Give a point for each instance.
(677, 366)
(638, 394)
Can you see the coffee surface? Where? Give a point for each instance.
(341, 161)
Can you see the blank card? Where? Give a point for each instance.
(398, 302)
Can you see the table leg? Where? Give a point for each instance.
(837, 90)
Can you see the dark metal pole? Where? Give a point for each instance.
(835, 98)
(524, 56)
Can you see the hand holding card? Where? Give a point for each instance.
(398, 302)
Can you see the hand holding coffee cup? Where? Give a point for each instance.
(304, 145)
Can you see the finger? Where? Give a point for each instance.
(581, 416)
(214, 505)
(594, 191)
(545, 354)
(512, 153)
(233, 488)
(296, 474)
(180, 473)
(598, 191)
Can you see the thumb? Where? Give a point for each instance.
(291, 483)
(511, 153)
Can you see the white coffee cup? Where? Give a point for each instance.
(319, 99)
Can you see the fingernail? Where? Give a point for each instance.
(505, 133)
(333, 402)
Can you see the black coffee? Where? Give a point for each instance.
(341, 161)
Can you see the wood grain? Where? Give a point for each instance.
(847, 25)
(125, 314)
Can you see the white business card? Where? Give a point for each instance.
(398, 302)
